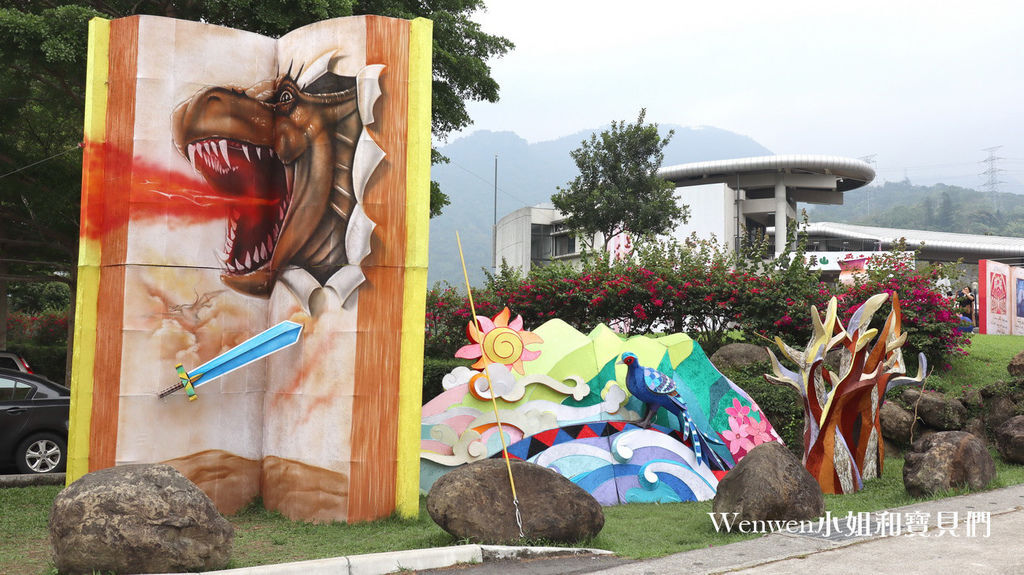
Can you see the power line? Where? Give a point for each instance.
(488, 182)
(40, 161)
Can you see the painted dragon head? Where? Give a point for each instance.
(282, 154)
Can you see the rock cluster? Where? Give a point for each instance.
(978, 413)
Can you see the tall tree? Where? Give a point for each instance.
(618, 189)
(42, 85)
(42, 96)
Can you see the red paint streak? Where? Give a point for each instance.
(155, 192)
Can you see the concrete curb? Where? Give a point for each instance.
(31, 479)
(410, 560)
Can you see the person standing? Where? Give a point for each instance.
(965, 301)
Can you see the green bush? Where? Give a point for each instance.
(434, 369)
(47, 360)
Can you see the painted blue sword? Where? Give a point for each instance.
(259, 346)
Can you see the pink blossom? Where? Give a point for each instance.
(737, 436)
(759, 431)
(738, 410)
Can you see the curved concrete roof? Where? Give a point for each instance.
(850, 173)
(968, 246)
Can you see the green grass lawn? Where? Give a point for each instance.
(263, 537)
(986, 364)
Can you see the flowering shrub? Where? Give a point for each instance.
(702, 289)
(930, 319)
(44, 328)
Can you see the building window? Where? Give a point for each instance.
(540, 243)
(564, 245)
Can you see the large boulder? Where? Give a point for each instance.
(137, 519)
(1016, 366)
(738, 355)
(475, 502)
(897, 423)
(946, 460)
(769, 483)
(935, 409)
(1010, 439)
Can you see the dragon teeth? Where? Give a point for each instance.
(224, 152)
(245, 150)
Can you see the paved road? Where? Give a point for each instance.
(939, 542)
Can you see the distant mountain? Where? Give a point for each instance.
(936, 207)
(528, 174)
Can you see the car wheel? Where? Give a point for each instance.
(42, 453)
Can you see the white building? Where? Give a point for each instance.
(758, 194)
(724, 196)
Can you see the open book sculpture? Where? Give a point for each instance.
(234, 182)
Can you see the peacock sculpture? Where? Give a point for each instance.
(658, 390)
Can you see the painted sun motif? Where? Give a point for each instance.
(499, 340)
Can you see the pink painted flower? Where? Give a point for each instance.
(737, 410)
(759, 431)
(737, 436)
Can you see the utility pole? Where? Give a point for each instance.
(992, 173)
(494, 227)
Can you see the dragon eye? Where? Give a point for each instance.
(284, 98)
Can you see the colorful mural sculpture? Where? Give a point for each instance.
(570, 409)
(842, 432)
(234, 182)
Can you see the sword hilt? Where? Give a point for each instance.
(171, 390)
(184, 382)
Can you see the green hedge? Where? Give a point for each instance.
(46, 360)
(434, 370)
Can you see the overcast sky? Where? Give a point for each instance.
(924, 86)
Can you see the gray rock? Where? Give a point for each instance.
(738, 355)
(834, 359)
(1010, 439)
(971, 398)
(998, 409)
(769, 483)
(936, 410)
(475, 502)
(892, 449)
(976, 427)
(1016, 366)
(946, 460)
(137, 519)
(897, 423)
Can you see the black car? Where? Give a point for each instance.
(33, 422)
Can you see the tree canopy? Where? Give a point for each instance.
(42, 86)
(618, 189)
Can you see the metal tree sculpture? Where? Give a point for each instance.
(842, 432)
